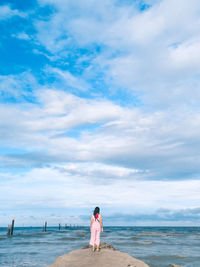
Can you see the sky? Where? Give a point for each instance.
(100, 106)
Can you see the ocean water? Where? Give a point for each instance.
(157, 246)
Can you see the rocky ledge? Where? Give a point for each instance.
(106, 257)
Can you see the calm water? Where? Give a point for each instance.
(157, 246)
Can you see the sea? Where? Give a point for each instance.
(156, 246)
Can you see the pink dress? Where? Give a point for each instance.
(95, 232)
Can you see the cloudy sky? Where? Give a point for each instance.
(100, 106)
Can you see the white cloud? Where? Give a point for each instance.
(100, 173)
(17, 86)
(154, 52)
(22, 36)
(54, 189)
(50, 57)
(69, 80)
(186, 56)
(66, 128)
(6, 12)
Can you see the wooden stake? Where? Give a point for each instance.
(12, 226)
(9, 230)
(45, 227)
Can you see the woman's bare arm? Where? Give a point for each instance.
(91, 223)
(101, 223)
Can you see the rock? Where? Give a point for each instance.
(105, 245)
(175, 265)
(102, 246)
(106, 257)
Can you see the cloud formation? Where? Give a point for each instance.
(63, 127)
(107, 109)
(6, 12)
(153, 52)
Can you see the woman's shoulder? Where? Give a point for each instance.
(92, 216)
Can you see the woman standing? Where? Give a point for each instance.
(96, 227)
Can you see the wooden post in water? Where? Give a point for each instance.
(12, 226)
(45, 227)
(9, 230)
(59, 227)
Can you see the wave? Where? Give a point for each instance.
(42, 233)
(180, 256)
(30, 243)
(160, 234)
(135, 238)
(68, 238)
(80, 233)
(152, 234)
(144, 243)
(25, 235)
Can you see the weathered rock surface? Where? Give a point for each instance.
(103, 245)
(106, 257)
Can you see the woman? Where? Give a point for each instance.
(96, 227)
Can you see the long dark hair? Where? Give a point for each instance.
(96, 210)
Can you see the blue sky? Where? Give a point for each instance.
(99, 105)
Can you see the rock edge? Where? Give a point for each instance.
(106, 257)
